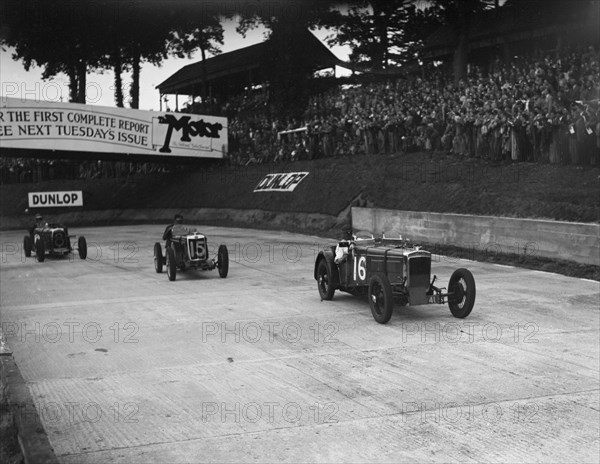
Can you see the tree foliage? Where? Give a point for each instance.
(458, 15)
(78, 37)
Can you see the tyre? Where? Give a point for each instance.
(82, 247)
(462, 287)
(326, 290)
(381, 299)
(40, 250)
(171, 264)
(158, 258)
(223, 261)
(27, 246)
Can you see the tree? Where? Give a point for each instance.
(374, 30)
(289, 63)
(58, 36)
(76, 37)
(458, 14)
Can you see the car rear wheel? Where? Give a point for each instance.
(326, 290)
(223, 261)
(158, 258)
(40, 250)
(82, 247)
(381, 298)
(171, 264)
(462, 293)
(27, 246)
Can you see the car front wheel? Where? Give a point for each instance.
(158, 258)
(40, 250)
(326, 290)
(461, 289)
(223, 261)
(381, 298)
(27, 246)
(82, 247)
(171, 264)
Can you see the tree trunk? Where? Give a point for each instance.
(459, 63)
(134, 92)
(73, 87)
(204, 76)
(118, 67)
(81, 79)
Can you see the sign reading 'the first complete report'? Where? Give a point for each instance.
(55, 199)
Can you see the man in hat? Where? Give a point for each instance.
(343, 247)
(178, 219)
(39, 223)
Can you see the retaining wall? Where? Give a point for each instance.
(579, 242)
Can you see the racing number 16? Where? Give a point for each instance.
(360, 267)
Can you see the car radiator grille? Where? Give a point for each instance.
(419, 269)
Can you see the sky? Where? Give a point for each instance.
(18, 83)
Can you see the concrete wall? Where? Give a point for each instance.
(253, 218)
(572, 241)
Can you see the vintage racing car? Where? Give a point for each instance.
(389, 270)
(52, 240)
(188, 249)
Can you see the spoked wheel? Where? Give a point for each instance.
(27, 246)
(82, 247)
(158, 258)
(223, 261)
(462, 293)
(381, 299)
(40, 250)
(171, 264)
(326, 290)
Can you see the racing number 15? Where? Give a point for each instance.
(199, 251)
(360, 267)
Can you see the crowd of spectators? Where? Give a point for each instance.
(536, 109)
(24, 170)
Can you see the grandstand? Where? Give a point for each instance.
(540, 105)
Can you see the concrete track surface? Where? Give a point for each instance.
(125, 366)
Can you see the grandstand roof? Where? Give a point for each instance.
(234, 68)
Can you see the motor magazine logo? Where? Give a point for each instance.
(280, 182)
(188, 128)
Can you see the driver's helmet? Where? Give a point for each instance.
(39, 217)
(178, 219)
(347, 233)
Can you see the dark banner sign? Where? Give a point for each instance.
(280, 182)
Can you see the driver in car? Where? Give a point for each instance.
(39, 223)
(168, 233)
(343, 247)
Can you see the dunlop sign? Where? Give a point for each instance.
(55, 199)
(281, 182)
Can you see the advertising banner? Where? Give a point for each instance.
(55, 199)
(280, 182)
(39, 125)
